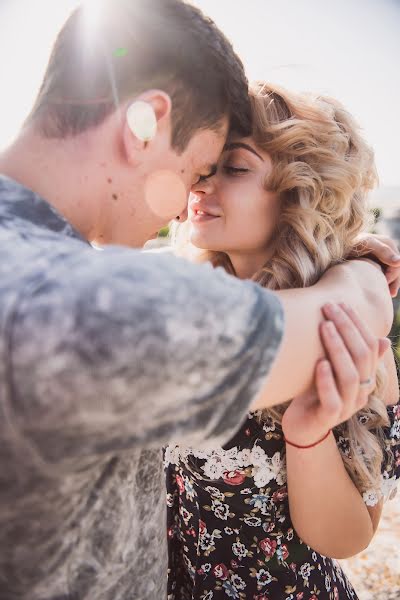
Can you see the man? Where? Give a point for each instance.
(106, 356)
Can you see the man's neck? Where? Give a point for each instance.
(56, 170)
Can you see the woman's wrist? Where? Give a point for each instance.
(304, 445)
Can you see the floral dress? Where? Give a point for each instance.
(229, 529)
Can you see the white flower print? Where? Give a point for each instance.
(305, 571)
(263, 577)
(207, 542)
(244, 457)
(262, 475)
(221, 511)
(213, 468)
(238, 582)
(395, 429)
(371, 497)
(328, 582)
(215, 493)
(258, 456)
(269, 424)
(278, 468)
(246, 491)
(185, 514)
(206, 567)
(228, 531)
(252, 521)
(239, 549)
(207, 595)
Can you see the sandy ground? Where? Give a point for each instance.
(375, 573)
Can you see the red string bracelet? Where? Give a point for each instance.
(310, 445)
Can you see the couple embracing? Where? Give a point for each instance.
(269, 381)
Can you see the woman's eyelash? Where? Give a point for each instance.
(232, 170)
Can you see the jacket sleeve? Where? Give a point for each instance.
(122, 349)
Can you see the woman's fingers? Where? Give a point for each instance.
(383, 345)
(358, 341)
(393, 278)
(330, 406)
(387, 252)
(383, 248)
(343, 366)
(363, 329)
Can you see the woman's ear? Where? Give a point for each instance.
(142, 120)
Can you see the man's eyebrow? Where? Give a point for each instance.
(234, 145)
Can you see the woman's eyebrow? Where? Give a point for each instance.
(234, 145)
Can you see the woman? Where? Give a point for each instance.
(258, 518)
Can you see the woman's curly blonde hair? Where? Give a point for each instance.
(322, 171)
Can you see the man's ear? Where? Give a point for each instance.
(142, 120)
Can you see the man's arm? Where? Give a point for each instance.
(117, 350)
(359, 284)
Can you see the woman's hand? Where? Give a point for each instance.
(386, 251)
(343, 382)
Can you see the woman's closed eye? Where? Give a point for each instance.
(230, 170)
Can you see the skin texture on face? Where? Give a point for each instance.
(232, 211)
(154, 188)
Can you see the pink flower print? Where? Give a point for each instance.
(191, 532)
(221, 571)
(233, 477)
(279, 495)
(268, 546)
(180, 483)
(335, 593)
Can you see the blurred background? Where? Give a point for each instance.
(349, 49)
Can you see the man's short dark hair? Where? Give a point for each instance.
(138, 45)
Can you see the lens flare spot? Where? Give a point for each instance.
(165, 194)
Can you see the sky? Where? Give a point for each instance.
(349, 49)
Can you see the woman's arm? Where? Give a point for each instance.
(359, 284)
(326, 508)
(392, 384)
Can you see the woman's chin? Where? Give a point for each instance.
(202, 242)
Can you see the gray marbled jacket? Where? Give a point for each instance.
(105, 357)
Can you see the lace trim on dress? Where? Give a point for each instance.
(220, 463)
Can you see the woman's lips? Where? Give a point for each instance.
(200, 216)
